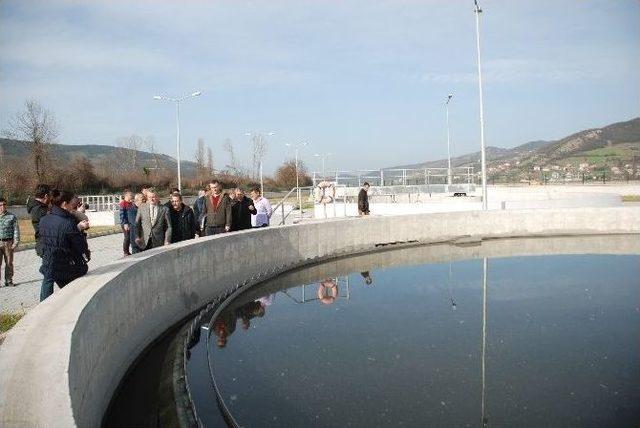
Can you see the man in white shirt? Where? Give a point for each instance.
(263, 209)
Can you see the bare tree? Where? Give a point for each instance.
(201, 168)
(233, 161)
(128, 152)
(150, 143)
(209, 162)
(259, 147)
(36, 125)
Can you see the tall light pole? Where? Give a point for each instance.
(297, 147)
(446, 105)
(323, 156)
(177, 102)
(483, 165)
(260, 138)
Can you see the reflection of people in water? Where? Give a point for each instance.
(249, 311)
(328, 291)
(367, 277)
(224, 326)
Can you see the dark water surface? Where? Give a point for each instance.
(508, 342)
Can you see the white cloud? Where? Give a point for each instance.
(516, 70)
(80, 54)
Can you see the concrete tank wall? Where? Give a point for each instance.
(60, 365)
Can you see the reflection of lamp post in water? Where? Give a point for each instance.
(485, 268)
(453, 301)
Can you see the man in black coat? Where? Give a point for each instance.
(64, 249)
(363, 200)
(241, 210)
(183, 220)
(37, 208)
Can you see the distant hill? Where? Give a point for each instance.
(16, 149)
(614, 145)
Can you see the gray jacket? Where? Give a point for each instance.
(9, 228)
(159, 231)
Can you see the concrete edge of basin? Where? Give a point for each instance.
(60, 365)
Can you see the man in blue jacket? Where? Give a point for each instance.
(64, 250)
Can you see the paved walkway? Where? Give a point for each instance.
(104, 249)
(26, 293)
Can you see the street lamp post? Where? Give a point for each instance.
(478, 11)
(446, 104)
(177, 101)
(296, 147)
(260, 138)
(323, 156)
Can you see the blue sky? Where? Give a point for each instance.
(363, 79)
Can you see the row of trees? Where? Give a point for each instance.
(124, 168)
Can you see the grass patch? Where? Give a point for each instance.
(27, 236)
(7, 321)
(630, 198)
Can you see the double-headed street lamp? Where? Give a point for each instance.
(478, 11)
(297, 146)
(323, 156)
(260, 137)
(446, 104)
(177, 101)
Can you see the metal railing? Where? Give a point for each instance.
(102, 202)
(398, 176)
(281, 204)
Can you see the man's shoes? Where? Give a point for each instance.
(9, 284)
(126, 254)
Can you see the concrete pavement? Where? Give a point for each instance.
(26, 293)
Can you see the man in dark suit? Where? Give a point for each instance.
(241, 210)
(363, 200)
(153, 227)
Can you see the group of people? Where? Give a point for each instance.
(148, 224)
(59, 225)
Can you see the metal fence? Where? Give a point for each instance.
(102, 202)
(400, 176)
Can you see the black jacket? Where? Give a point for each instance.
(37, 210)
(363, 201)
(183, 224)
(64, 248)
(199, 211)
(241, 214)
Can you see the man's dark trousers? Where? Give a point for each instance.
(215, 230)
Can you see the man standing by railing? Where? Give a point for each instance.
(9, 240)
(363, 200)
(125, 204)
